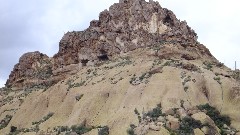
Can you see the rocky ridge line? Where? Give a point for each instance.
(126, 26)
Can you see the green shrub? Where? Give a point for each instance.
(82, 129)
(217, 79)
(134, 78)
(104, 131)
(185, 88)
(188, 124)
(130, 131)
(155, 113)
(236, 75)
(136, 111)
(13, 129)
(78, 97)
(5, 121)
(45, 118)
(208, 65)
(215, 115)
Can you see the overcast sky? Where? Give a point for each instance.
(30, 25)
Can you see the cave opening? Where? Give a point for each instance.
(103, 55)
(84, 62)
(168, 21)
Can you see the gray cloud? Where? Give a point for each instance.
(28, 25)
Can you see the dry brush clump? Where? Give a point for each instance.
(180, 121)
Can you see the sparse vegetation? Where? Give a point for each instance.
(78, 97)
(155, 113)
(187, 79)
(133, 79)
(143, 78)
(138, 114)
(125, 61)
(130, 131)
(73, 85)
(218, 79)
(185, 88)
(208, 65)
(103, 130)
(4, 122)
(45, 118)
(78, 129)
(215, 115)
(187, 125)
(15, 131)
(236, 74)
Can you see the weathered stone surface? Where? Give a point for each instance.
(173, 123)
(141, 129)
(206, 120)
(33, 69)
(182, 113)
(127, 25)
(153, 126)
(197, 131)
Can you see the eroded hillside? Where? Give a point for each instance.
(107, 95)
(137, 70)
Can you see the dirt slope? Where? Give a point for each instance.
(108, 94)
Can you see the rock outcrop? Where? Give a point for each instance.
(34, 68)
(127, 25)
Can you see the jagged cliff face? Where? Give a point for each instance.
(126, 26)
(143, 56)
(34, 68)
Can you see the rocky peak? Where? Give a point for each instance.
(126, 26)
(33, 68)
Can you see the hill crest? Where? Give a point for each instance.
(126, 26)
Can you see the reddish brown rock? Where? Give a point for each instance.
(34, 68)
(127, 25)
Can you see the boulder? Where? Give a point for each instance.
(153, 126)
(197, 131)
(172, 123)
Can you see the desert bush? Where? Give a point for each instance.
(78, 97)
(187, 125)
(45, 118)
(130, 131)
(13, 129)
(185, 88)
(208, 65)
(103, 131)
(236, 75)
(81, 129)
(155, 113)
(136, 111)
(215, 115)
(217, 79)
(4, 122)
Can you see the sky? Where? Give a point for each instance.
(38, 25)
